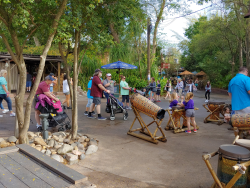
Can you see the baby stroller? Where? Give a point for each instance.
(57, 115)
(114, 106)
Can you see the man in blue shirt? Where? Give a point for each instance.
(90, 99)
(239, 92)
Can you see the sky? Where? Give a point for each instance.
(180, 24)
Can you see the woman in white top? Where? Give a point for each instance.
(66, 91)
(168, 89)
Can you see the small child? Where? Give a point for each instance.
(227, 114)
(174, 100)
(158, 92)
(189, 107)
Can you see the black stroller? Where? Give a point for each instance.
(114, 106)
(56, 118)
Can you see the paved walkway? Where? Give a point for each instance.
(125, 161)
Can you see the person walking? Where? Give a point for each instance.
(96, 92)
(239, 92)
(53, 82)
(152, 89)
(90, 99)
(109, 85)
(179, 86)
(125, 92)
(28, 82)
(66, 91)
(168, 89)
(196, 83)
(208, 91)
(158, 92)
(4, 93)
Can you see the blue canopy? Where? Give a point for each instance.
(119, 65)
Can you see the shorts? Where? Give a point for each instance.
(243, 111)
(51, 89)
(190, 113)
(97, 100)
(34, 102)
(28, 84)
(125, 97)
(67, 93)
(90, 101)
(158, 92)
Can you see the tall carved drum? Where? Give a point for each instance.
(241, 120)
(230, 155)
(177, 116)
(145, 105)
(212, 106)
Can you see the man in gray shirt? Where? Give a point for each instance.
(109, 85)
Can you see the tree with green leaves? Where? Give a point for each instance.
(19, 21)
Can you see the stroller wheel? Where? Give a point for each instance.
(125, 116)
(60, 129)
(112, 117)
(67, 127)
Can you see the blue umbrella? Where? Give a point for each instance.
(119, 65)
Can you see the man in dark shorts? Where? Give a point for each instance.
(43, 88)
(96, 93)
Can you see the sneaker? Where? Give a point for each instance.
(195, 130)
(86, 113)
(101, 118)
(39, 129)
(206, 100)
(5, 111)
(187, 131)
(93, 113)
(91, 117)
(13, 114)
(69, 107)
(128, 108)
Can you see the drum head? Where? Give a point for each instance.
(243, 143)
(216, 103)
(234, 152)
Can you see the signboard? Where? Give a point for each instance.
(165, 65)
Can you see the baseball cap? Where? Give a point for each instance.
(49, 78)
(98, 70)
(108, 74)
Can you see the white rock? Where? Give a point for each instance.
(76, 152)
(43, 151)
(73, 145)
(56, 138)
(91, 149)
(82, 139)
(39, 141)
(48, 152)
(12, 139)
(64, 149)
(57, 158)
(66, 141)
(60, 139)
(82, 156)
(93, 142)
(71, 157)
(1, 139)
(31, 135)
(51, 143)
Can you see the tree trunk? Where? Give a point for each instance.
(159, 17)
(240, 54)
(75, 83)
(139, 54)
(36, 40)
(114, 33)
(24, 125)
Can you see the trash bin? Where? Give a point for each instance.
(116, 91)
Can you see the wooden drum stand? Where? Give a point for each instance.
(215, 109)
(174, 121)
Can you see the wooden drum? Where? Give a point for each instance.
(145, 105)
(177, 116)
(240, 120)
(230, 155)
(212, 106)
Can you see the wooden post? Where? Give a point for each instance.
(59, 76)
(8, 76)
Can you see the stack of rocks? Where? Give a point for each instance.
(59, 145)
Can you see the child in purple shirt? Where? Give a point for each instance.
(189, 107)
(174, 100)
